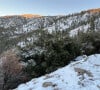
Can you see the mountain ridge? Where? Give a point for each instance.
(16, 26)
(27, 15)
(30, 15)
(94, 10)
(24, 15)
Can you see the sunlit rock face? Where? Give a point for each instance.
(31, 15)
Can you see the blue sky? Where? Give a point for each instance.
(46, 7)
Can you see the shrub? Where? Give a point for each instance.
(11, 69)
(90, 42)
(57, 51)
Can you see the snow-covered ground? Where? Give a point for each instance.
(83, 74)
(75, 31)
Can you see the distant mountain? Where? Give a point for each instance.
(23, 15)
(94, 10)
(19, 29)
(31, 15)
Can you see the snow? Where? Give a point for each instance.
(17, 26)
(80, 57)
(75, 31)
(80, 75)
(21, 44)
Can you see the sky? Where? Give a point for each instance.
(45, 7)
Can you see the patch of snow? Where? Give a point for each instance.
(83, 28)
(80, 57)
(21, 44)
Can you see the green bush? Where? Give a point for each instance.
(58, 50)
(90, 42)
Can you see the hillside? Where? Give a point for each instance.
(19, 30)
(83, 74)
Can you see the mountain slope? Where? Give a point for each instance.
(13, 28)
(83, 74)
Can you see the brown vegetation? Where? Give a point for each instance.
(11, 68)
